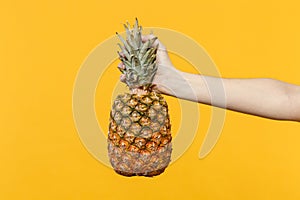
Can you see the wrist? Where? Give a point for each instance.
(172, 83)
(186, 86)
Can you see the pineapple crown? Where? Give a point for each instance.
(138, 57)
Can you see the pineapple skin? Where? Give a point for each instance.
(139, 138)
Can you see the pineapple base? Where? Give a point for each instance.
(150, 174)
(142, 163)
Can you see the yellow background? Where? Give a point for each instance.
(42, 45)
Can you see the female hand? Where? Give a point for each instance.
(165, 73)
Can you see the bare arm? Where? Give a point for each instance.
(260, 96)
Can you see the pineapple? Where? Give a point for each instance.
(139, 138)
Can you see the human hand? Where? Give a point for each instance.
(165, 69)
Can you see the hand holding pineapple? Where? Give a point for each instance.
(257, 96)
(166, 74)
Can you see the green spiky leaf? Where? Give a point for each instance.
(138, 57)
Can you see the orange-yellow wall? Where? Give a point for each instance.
(43, 44)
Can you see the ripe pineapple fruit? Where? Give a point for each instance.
(139, 138)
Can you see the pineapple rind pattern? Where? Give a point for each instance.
(139, 140)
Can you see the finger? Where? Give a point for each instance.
(121, 54)
(121, 66)
(156, 43)
(147, 37)
(123, 78)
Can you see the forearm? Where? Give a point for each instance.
(262, 97)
